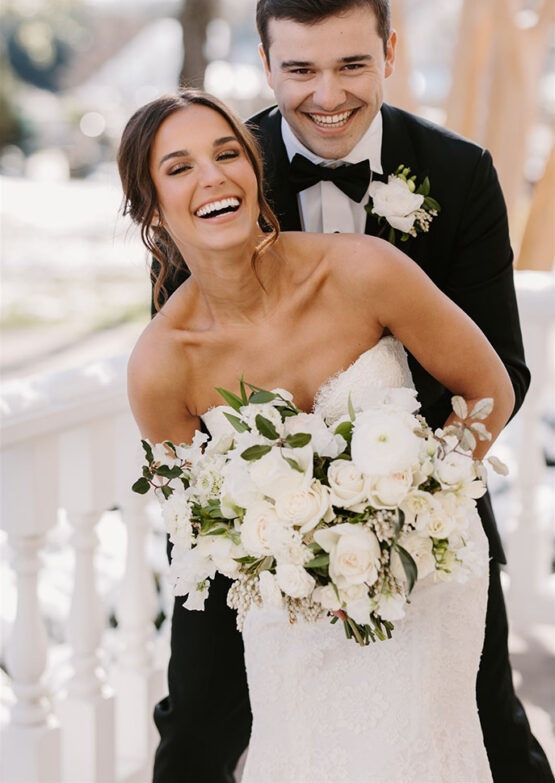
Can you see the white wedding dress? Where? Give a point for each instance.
(399, 711)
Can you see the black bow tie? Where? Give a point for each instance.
(353, 179)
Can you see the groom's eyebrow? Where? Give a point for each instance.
(352, 58)
(186, 153)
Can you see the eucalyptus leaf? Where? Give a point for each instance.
(498, 466)
(255, 452)
(265, 427)
(482, 409)
(468, 441)
(166, 472)
(298, 439)
(232, 400)
(409, 566)
(237, 423)
(480, 430)
(141, 486)
(167, 491)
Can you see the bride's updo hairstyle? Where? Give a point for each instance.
(140, 197)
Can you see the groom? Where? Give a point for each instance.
(326, 61)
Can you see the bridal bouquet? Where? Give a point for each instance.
(337, 519)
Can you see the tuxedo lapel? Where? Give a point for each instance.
(281, 196)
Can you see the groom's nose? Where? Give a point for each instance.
(328, 93)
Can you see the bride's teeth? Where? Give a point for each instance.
(335, 120)
(215, 206)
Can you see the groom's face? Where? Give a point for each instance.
(328, 77)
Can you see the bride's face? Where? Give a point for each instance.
(206, 186)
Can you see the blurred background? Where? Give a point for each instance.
(75, 283)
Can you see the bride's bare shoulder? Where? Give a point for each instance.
(361, 261)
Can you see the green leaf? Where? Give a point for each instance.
(141, 486)
(166, 491)
(391, 236)
(146, 472)
(298, 440)
(404, 237)
(254, 388)
(424, 188)
(255, 452)
(352, 414)
(247, 560)
(431, 203)
(286, 412)
(147, 450)
(237, 423)
(318, 562)
(293, 463)
(260, 397)
(244, 397)
(265, 427)
(167, 472)
(409, 566)
(232, 400)
(345, 429)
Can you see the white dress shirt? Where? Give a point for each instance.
(324, 207)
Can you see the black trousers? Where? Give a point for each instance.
(205, 721)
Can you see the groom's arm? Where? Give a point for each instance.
(481, 272)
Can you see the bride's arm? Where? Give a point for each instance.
(154, 381)
(441, 337)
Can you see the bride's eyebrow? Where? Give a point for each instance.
(186, 153)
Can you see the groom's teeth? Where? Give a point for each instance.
(331, 120)
(218, 206)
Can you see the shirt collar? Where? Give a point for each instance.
(369, 147)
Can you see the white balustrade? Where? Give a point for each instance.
(531, 596)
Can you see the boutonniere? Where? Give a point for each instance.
(402, 205)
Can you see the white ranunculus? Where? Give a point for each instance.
(396, 202)
(437, 519)
(420, 548)
(269, 590)
(273, 476)
(327, 597)
(323, 440)
(384, 442)
(348, 486)
(418, 504)
(176, 513)
(389, 491)
(305, 507)
(454, 470)
(256, 528)
(354, 554)
(294, 580)
(391, 606)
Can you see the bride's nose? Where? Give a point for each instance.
(210, 174)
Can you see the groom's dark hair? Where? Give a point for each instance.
(313, 11)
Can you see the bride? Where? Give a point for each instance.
(319, 315)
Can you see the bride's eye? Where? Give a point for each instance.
(177, 169)
(228, 155)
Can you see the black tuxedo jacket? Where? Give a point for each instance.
(467, 251)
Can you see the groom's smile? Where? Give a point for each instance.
(328, 77)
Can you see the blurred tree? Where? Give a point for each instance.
(398, 87)
(194, 17)
(537, 250)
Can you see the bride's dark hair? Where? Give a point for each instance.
(140, 197)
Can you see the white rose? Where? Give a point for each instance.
(420, 549)
(437, 519)
(395, 201)
(176, 513)
(454, 470)
(389, 491)
(348, 486)
(256, 529)
(384, 442)
(294, 580)
(305, 507)
(273, 476)
(418, 504)
(354, 554)
(287, 546)
(269, 590)
(391, 606)
(327, 597)
(323, 441)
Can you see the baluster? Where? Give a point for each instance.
(529, 543)
(87, 712)
(138, 682)
(31, 740)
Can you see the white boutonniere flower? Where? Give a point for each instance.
(402, 205)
